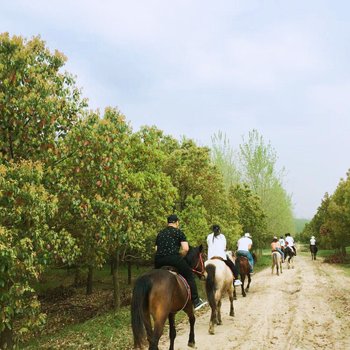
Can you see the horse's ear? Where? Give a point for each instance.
(200, 248)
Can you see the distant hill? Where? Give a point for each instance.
(299, 224)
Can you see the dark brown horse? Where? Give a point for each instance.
(313, 251)
(159, 294)
(244, 271)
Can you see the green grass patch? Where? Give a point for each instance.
(109, 331)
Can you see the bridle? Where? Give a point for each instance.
(200, 264)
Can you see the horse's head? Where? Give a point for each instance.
(194, 258)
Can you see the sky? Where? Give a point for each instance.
(194, 68)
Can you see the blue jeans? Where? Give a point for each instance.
(249, 256)
(281, 252)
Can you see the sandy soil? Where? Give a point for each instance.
(307, 307)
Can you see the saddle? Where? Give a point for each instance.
(169, 268)
(217, 258)
(175, 272)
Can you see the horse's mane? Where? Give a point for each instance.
(192, 253)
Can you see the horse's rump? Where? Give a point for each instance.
(313, 248)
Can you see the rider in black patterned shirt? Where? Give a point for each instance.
(168, 244)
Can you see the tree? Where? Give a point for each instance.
(258, 169)
(249, 212)
(339, 215)
(38, 103)
(224, 158)
(193, 174)
(27, 245)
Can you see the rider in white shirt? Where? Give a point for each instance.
(216, 242)
(282, 242)
(312, 240)
(290, 241)
(244, 245)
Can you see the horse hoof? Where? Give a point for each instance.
(191, 345)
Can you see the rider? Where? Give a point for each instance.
(168, 243)
(244, 245)
(290, 241)
(312, 240)
(216, 242)
(276, 247)
(282, 242)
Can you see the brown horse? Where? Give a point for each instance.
(160, 294)
(219, 280)
(244, 270)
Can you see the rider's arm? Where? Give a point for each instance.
(184, 248)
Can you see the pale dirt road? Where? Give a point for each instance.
(304, 308)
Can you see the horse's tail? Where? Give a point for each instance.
(210, 285)
(139, 302)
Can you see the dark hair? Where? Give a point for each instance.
(172, 219)
(216, 229)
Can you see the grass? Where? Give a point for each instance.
(109, 331)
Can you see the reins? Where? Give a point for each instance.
(201, 263)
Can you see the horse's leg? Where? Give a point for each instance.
(190, 313)
(172, 330)
(159, 321)
(234, 293)
(219, 321)
(213, 318)
(231, 296)
(242, 285)
(249, 279)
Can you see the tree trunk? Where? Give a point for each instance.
(116, 287)
(78, 278)
(129, 272)
(343, 251)
(6, 339)
(89, 280)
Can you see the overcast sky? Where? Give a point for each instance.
(194, 68)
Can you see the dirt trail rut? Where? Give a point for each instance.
(307, 307)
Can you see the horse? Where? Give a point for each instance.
(244, 270)
(276, 261)
(289, 256)
(161, 293)
(219, 279)
(313, 250)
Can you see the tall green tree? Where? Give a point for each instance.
(339, 215)
(258, 169)
(225, 159)
(38, 102)
(249, 212)
(318, 225)
(27, 245)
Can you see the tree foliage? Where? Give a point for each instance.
(27, 243)
(38, 103)
(331, 223)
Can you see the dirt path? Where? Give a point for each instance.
(304, 308)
